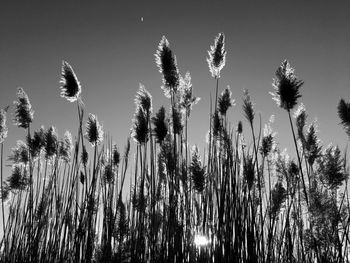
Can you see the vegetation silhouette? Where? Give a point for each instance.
(67, 202)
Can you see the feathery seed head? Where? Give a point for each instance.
(286, 87)
(197, 171)
(5, 192)
(51, 143)
(225, 101)
(248, 108)
(293, 169)
(240, 127)
(36, 143)
(166, 62)
(185, 82)
(292, 176)
(3, 127)
(268, 128)
(312, 144)
(144, 99)
(140, 130)
(300, 116)
(160, 125)
(161, 167)
(82, 177)
(70, 88)
(268, 142)
(248, 171)
(187, 99)
(84, 156)
(92, 204)
(167, 153)
(105, 158)
(17, 179)
(116, 155)
(20, 154)
(217, 56)
(278, 196)
(217, 126)
(344, 115)
(94, 131)
(281, 161)
(108, 174)
(300, 112)
(23, 110)
(66, 146)
(331, 168)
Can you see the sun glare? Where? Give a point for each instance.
(200, 240)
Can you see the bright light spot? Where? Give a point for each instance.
(141, 19)
(200, 240)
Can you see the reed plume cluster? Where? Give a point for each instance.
(232, 200)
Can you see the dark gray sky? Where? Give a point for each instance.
(112, 51)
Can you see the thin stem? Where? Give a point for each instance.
(299, 160)
(2, 195)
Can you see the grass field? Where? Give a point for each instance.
(241, 201)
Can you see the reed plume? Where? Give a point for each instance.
(217, 125)
(36, 143)
(225, 101)
(300, 118)
(20, 154)
(278, 196)
(144, 99)
(23, 110)
(248, 107)
(217, 56)
(94, 131)
(84, 156)
(160, 125)
(18, 179)
(187, 99)
(51, 143)
(331, 168)
(286, 95)
(70, 88)
(108, 174)
(312, 144)
(140, 128)
(248, 171)
(286, 87)
(344, 115)
(166, 62)
(3, 126)
(4, 191)
(240, 127)
(197, 171)
(115, 156)
(66, 147)
(268, 139)
(180, 207)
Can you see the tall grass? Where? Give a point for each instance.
(240, 201)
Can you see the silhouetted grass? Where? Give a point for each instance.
(239, 202)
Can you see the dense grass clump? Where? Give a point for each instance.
(240, 201)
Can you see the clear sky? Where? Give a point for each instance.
(111, 49)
